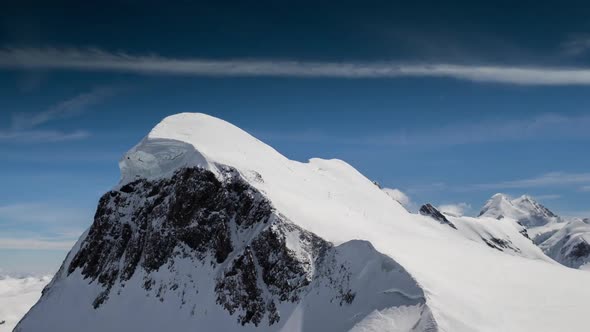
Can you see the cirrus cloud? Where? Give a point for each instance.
(101, 60)
(25, 126)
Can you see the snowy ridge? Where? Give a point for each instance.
(452, 278)
(569, 243)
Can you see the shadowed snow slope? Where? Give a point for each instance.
(569, 244)
(457, 283)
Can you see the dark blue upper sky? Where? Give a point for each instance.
(450, 103)
(504, 31)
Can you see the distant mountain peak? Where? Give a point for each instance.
(500, 195)
(525, 209)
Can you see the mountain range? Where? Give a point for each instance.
(566, 241)
(210, 229)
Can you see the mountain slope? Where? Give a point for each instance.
(276, 217)
(567, 243)
(505, 235)
(207, 250)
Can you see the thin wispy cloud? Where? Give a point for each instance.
(547, 197)
(542, 127)
(42, 215)
(575, 214)
(426, 188)
(35, 244)
(62, 155)
(544, 180)
(101, 60)
(581, 181)
(576, 46)
(47, 136)
(65, 109)
(546, 127)
(25, 126)
(41, 225)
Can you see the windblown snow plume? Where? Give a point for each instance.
(398, 195)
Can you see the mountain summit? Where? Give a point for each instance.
(210, 229)
(566, 241)
(524, 209)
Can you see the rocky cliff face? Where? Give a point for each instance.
(166, 236)
(431, 211)
(145, 223)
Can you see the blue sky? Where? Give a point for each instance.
(450, 104)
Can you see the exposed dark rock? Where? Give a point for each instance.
(273, 314)
(145, 225)
(581, 249)
(500, 244)
(238, 289)
(525, 233)
(431, 211)
(285, 274)
(347, 297)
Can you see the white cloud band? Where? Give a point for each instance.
(99, 60)
(35, 244)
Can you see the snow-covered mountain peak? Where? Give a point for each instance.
(195, 140)
(500, 196)
(523, 209)
(527, 203)
(218, 140)
(566, 240)
(524, 200)
(199, 140)
(496, 206)
(212, 230)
